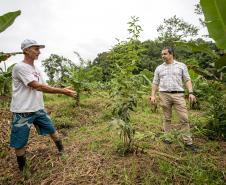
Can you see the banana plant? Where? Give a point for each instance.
(215, 20)
(218, 68)
(5, 80)
(5, 21)
(5, 56)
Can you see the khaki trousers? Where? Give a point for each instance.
(167, 101)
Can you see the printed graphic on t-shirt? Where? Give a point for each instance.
(37, 75)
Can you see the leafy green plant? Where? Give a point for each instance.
(83, 78)
(126, 88)
(124, 101)
(216, 125)
(5, 80)
(174, 29)
(77, 79)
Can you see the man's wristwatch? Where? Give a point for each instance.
(190, 93)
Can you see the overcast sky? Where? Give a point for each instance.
(86, 26)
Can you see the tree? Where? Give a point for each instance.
(56, 68)
(175, 29)
(198, 11)
(104, 62)
(126, 84)
(134, 28)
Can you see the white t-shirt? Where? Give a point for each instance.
(25, 98)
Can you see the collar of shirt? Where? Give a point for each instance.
(174, 62)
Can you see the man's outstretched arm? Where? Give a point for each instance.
(48, 89)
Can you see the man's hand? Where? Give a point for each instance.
(153, 99)
(70, 92)
(191, 98)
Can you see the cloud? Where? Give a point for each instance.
(89, 27)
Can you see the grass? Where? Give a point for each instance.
(91, 156)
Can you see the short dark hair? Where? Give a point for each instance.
(170, 50)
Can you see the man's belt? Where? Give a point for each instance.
(173, 92)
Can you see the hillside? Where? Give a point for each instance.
(93, 149)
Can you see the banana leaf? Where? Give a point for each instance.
(5, 56)
(215, 20)
(195, 47)
(221, 62)
(7, 19)
(206, 74)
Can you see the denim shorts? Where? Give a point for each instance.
(22, 122)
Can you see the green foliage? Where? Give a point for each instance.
(145, 54)
(134, 28)
(77, 79)
(104, 62)
(216, 66)
(215, 19)
(126, 133)
(124, 94)
(126, 86)
(201, 90)
(219, 64)
(216, 126)
(5, 56)
(7, 19)
(6, 81)
(56, 68)
(195, 170)
(198, 11)
(212, 94)
(148, 56)
(198, 47)
(174, 29)
(208, 73)
(83, 77)
(94, 74)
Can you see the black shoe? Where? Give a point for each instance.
(59, 146)
(21, 160)
(191, 147)
(168, 142)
